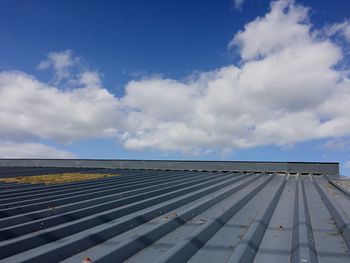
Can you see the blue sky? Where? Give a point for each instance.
(205, 80)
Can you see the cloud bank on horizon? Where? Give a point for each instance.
(291, 86)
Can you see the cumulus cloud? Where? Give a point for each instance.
(31, 150)
(32, 109)
(286, 90)
(285, 25)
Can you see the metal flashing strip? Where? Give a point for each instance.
(284, 167)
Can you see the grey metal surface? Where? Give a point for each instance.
(177, 216)
(290, 167)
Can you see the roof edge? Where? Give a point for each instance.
(262, 166)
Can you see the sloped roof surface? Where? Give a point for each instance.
(176, 216)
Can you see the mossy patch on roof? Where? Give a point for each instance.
(56, 178)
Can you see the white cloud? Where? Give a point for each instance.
(90, 79)
(238, 3)
(339, 28)
(285, 25)
(61, 63)
(32, 109)
(31, 150)
(287, 90)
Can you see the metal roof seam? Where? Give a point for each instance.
(341, 220)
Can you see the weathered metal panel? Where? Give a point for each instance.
(294, 167)
(177, 216)
(323, 168)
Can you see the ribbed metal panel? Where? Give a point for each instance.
(177, 216)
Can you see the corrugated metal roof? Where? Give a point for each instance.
(177, 216)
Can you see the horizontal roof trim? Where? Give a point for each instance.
(288, 167)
